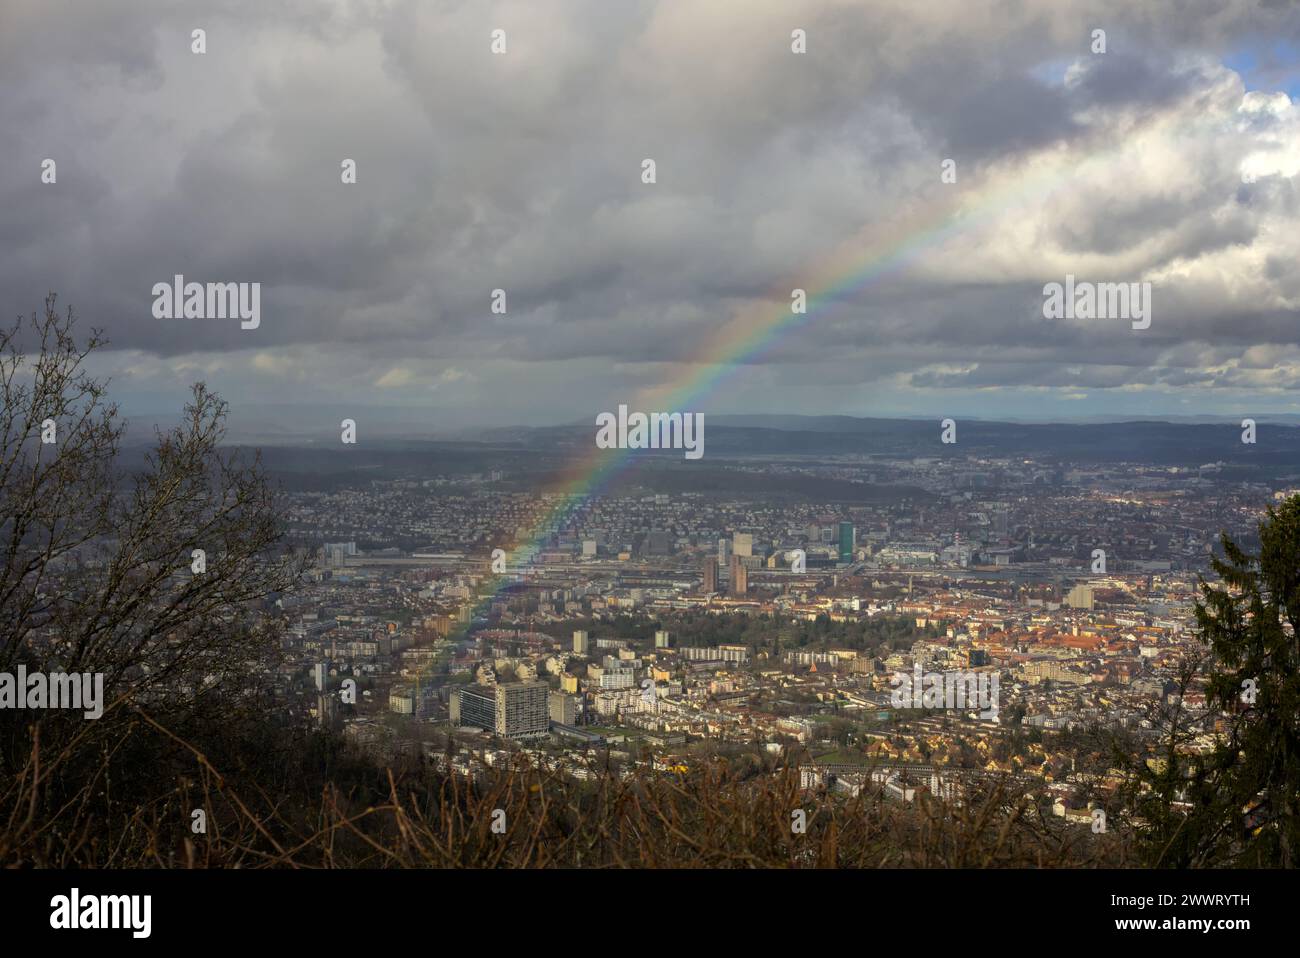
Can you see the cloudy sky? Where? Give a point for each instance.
(1171, 158)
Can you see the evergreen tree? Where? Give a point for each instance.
(1239, 802)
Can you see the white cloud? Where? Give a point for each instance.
(522, 172)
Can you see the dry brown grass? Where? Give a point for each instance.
(418, 818)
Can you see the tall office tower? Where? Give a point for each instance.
(474, 705)
(661, 639)
(710, 583)
(722, 552)
(328, 712)
(319, 672)
(564, 708)
(523, 709)
(742, 544)
(739, 577)
(580, 642)
(515, 709)
(847, 541)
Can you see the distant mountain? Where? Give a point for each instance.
(402, 435)
(1157, 442)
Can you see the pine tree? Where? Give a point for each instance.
(1238, 802)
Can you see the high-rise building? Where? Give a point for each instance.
(739, 577)
(722, 552)
(661, 639)
(513, 709)
(474, 705)
(564, 708)
(580, 642)
(328, 711)
(710, 583)
(742, 544)
(848, 538)
(402, 700)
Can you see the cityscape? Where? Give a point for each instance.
(660, 627)
(794, 438)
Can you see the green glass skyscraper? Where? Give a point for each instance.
(847, 542)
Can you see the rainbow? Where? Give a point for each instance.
(949, 211)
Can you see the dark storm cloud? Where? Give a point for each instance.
(1126, 80)
(523, 172)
